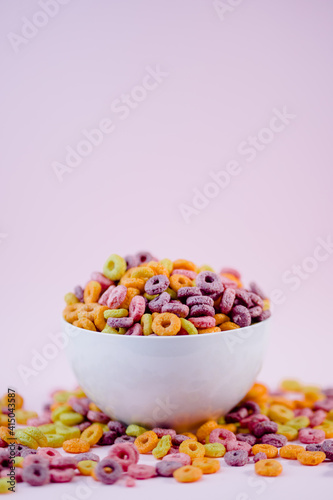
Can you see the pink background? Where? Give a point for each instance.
(225, 77)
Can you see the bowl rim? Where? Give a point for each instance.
(203, 335)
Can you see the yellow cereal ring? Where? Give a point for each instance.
(187, 474)
(289, 432)
(55, 440)
(214, 450)
(115, 267)
(86, 467)
(184, 264)
(291, 385)
(228, 325)
(172, 293)
(4, 485)
(192, 448)
(188, 326)
(85, 323)
(207, 465)
(166, 324)
(205, 430)
(134, 283)
(71, 298)
(162, 447)
(290, 451)
(92, 434)
(115, 313)
(47, 428)
(266, 305)
(270, 450)
(55, 415)
(178, 281)
(71, 418)
(67, 432)
(327, 427)
(168, 264)
(299, 422)
(311, 457)
(268, 467)
(279, 413)
(143, 272)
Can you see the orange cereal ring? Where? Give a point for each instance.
(5, 434)
(3, 420)
(228, 325)
(178, 281)
(290, 451)
(146, 442)
(221, 318)
(192, 448)
(131, 292)
(85, 314)
(214, 329)
(229, 427)
(94, 407)
(70, 313)
(92, 434)
(143, 272)
(184, 264)
(85, 323)
(8, 400)
(279, 400)
(134, 283)
(234, 278)
(268, 468)
(76, 445)
(270, 450)
(99, 319)
(257, 391)
(166, 324)
(207, 465)
(311, 457)
(187, 474)
(92, 292)
(158, 268)
(205, 429)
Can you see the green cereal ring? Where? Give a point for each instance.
(4, 485)
(205, 267)
(71, 298)
(146, 323)
(55, 415)
(221, 421)
(299, 422)
(168, 264)
(62, 396)
(172, 293)
(214, 450)
(149, 297)
(68, 432)
(54, 440)
(26, 440)
(115, 267)
(18, 461)
(188, 327)
(109, 329)
(71, 418)
(47, 428)
(163, 447)
(115, 313)
(36, 434)
(135, 430)
(290, 432)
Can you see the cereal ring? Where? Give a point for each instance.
(227, 300)
(205, 430)
(146, 442)
(36, 475)
(120, 322)
(311, 457)
(136, 329)
(99, 319)
(178, 281)
(140, 471)
(207, 465)
(87, 456)
(184, 264)
(102, 280)
(182, 458)
(203, 322)
(157, 284)
(198, 300)
(55, 440)
(268, 468)
(241, 316)
(209, 330)
(327, 448)
(131, 292)
(290, 451)
(125, 453)
(221, 318)
(228, 325)
(188, 327)
(48, 453)
(280, 414)
(86, 467)
(192, 448)
(85, 323)
(266, 427)
(108, 471)
(188, 291)
(259, 456)
(78, 291)
(115, 267)
(71, 418)
(31, 437)
(185, 272)
(92, 292)
(166, 324)
(214, 450)
(167, 468)
(116, 297)
(187, 474)
(137, 308)
(76, 445)
(70, 313)
(221, 436)
(92, 434)
(61, 475)
(177, 308)
(202, 310)
(289, 432)
(97, 416)
(63, 463)
(143, 272)
(105, 295)
(156, 304)
(311, 436)
(277, 440)
(255, 311)
(163, 447)
(143, 257)
(209, 282)
(255, 289)
(238, 445)
(71, 298)
(317, 418)
(269, 450)
(236, 458)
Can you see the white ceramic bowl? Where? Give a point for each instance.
(176, 382)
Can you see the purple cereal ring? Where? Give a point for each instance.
(259, 456)
(87, 456)
(251, 406)
(221, 436)
(167, 468)
(164, 432)
(137, 307)
(124, 439)
(47, 453)
(311, 436)
(36, 459)
(241, 316)
(256, 300)
(178, 439)
(63, 463)
(18, 450)
(327, 448)
(136, 329)
(61, 475)
(203, 322)
(79, 405)
(105, 296)
(317, 418)
(84, 426)
(117, 427)
(231, 270)
(264, 315)
(247, 438)
(244, 297)
(156, 304)
(182, 458)
(202, 310)
(177, 308)
(36, 475)
(277, 440)
(116, 297)
(236, 416)
(103, 474)
(108, 438)
(261, 428)
(255, 289)
(238, 445)
(27, 452)
(313, 447)
(325, 404)
(126, 454)
(209, 282)
(157, 284)
(78, 292)
(236, 458)
(185, 272)
(101, 279)
(120, 322)
(144, 257)
(228, 299)
(188, 291)
(141, 471)
(255, 311)
(200, 299)
(132, 261)
(252, 420)
(97, 416)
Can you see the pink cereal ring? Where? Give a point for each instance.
(230, 270)
(61, 475)
(48, 453)
(35, 422)
(311, 436)
(102, 280)
(125, 454)
(317, 418)
(185, 272)
(228, 299)
(183, 458)
(141, 471)
(130, 482)
(117, 296)
(137, 307)
(221, 436)
(136, 329)
(252, 420)
(227, 282)
(203, 322)
(238, 445)
(303, 412)
(105, 296)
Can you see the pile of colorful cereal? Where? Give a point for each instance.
(256, 433)
(140, 295)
